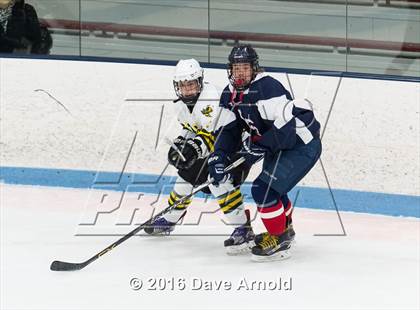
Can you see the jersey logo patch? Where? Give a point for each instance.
(207, 111)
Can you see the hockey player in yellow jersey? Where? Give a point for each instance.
(198, 113)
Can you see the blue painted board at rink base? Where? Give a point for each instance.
(307, 197)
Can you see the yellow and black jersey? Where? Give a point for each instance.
(201, 121)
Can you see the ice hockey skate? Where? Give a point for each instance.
(240, 241)
(271, 247)
(160, 226)
(260, 237)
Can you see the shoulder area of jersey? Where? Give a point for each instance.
(209, 92)
(208, 102)
(265, 78)
(303, 103)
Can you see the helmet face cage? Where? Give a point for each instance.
(188, 70)
(243, 54)
(188, 99)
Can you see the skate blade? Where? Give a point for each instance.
(160, 233)
(281, 255)
(241, 249)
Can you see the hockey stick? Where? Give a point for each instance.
(65, 266)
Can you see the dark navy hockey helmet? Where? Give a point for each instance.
(243, 53)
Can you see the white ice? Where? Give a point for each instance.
(375, 266)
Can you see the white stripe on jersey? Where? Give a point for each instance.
(284, 114)
(277, 109)
(280, 109)
(303, 132)
(272, 108)
(303, 104)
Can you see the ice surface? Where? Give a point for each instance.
(376, 266)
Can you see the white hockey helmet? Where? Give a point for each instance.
(188, 70)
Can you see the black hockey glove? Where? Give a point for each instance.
(184, 153)
(174, 153)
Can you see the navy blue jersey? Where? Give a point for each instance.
(268, 113)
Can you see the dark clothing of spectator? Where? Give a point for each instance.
(22, 32)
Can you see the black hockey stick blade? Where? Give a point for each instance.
(63, 266)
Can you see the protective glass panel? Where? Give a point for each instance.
(303, 34)
(384, 37)
(157, 30)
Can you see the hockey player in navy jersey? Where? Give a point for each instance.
(197, 112)
(274, 128)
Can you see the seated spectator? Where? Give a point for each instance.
(20, 31)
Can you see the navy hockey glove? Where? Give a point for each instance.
(252, 152)
(216, 166)
(184, 153)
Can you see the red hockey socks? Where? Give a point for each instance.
(273, 217)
